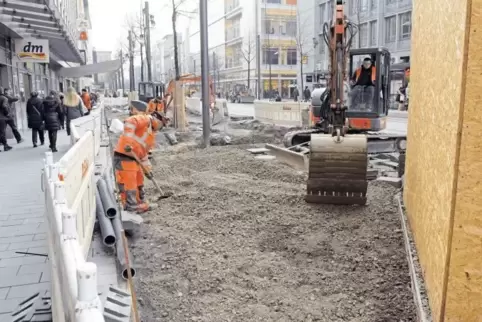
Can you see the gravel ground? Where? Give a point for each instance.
(237, 242)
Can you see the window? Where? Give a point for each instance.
(390, 29)
(364, 35)
(292, 56)
(357, 6)
(392, 2)
(405, 25)
(373, 33)
(270, 56)
(373, 4)
(363, 5)
(322, 12)
(291, 28)
(269, 27)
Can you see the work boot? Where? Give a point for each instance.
(7, 148)
(20, 141)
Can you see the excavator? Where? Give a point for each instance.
(151, 90)
(345, 127)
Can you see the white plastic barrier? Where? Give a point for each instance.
(69, 187)
(280, 113)
(116, 101)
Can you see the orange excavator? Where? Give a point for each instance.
(159, 98)
(346, 120)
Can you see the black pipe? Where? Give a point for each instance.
(121, 256)
(106, 229)
(109, 205)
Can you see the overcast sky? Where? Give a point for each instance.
(109, 20)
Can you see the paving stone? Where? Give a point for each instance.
(3, 247)
(34, 220)
(40, 237)
(26, 290)
(12, 253)
(39, 250)
(33, 268)
(3, 293)
(7, 306)
(11, 222)
(24, 279)
(45, 276)
(26, 260)
(9, 271)
(28, 244)
(17, 239)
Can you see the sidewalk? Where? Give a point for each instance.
(22, 227)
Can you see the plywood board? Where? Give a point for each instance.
(464, 291)
(437, 62)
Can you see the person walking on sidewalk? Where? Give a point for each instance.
(86, 99)
(73, 107)
(53, 118)
(10, 119)
(4, 111)
(35, 118)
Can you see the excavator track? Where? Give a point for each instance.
(337, 171)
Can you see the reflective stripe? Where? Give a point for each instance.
(140, 140)
(129, 126)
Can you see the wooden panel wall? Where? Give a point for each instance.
(464, 291)
(436, 107)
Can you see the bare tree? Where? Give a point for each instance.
(249, 53)
(304, 44)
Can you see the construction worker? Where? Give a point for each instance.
(156, 105)
(134, 144)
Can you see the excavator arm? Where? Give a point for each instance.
(188, 78)
(338, 162)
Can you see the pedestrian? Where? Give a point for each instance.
(73, 107)
(35, 118)
(61, 102)
(4, 111)
(296, 93)
(53, 118)
(10, 120)
(86, 99)
(307, 94)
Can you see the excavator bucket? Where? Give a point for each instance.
(337, 172)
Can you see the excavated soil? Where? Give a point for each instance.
(237, 242)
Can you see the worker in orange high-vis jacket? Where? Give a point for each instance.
(363, 82)
(157, 104)
(138, 138)
(86, 100)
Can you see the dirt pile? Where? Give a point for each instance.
(238, 243)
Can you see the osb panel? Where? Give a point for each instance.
(437, 61)
(464, 291)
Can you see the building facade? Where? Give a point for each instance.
(57, 22)
(381, 23)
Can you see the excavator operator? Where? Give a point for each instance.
(363, 82)
(134, 144)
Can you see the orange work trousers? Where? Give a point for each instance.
(130, 181)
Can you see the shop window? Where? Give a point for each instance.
(292, 56)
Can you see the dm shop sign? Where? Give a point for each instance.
(32, 50)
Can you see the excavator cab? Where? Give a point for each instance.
(368, 105)
(149, 90)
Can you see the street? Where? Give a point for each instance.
(397, 120)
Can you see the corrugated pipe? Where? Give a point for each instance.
(106, 229)
(121, 256)
(110, 207)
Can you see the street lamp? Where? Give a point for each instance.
(316, 42)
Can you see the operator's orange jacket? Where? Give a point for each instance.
(374, 73)
(139, 135)
(155, 105)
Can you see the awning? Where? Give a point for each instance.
(85, 70)
(41, 19)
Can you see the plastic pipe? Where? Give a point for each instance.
(106, 229)
(107, 201)
(121, 256)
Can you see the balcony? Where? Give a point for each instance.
(233, 11)
(44, 20)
